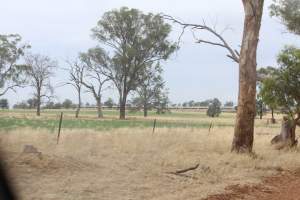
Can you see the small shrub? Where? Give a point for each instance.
(214, 108)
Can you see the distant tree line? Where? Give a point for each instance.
(204, 103)
(66, 104)
(33, 103)
(128, 57)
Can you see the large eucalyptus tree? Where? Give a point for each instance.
(246, 58)
(135, 41)
(244, 125)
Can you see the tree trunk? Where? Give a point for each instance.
(286, 138)
(158, 110)
(38, 109)
(244, 126)
(38, 106)
(77, 111)
(99, 108)
(273, 121)
(261, 110)
(145, 110)
(79, 105)
(122, 108)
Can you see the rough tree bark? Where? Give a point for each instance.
(244, 126)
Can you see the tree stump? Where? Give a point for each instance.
(286, 138)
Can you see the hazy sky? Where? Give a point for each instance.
(61, 29)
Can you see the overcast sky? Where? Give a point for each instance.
(61, 29)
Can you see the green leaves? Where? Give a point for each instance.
(10, 52)
(135, 38)
(281, 87)
(136, 42)
(214, 108)
(289, 13)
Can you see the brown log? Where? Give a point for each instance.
(185, 170)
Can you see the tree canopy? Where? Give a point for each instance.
(281, 88)
(136, 41)
(10, 71)
(150, 88)
(265, 80)
(214, 108)
(289, 13)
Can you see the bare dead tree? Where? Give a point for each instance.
(40, 70)
(220, 41)
(94, 79)
(76, 75)
(96, 90)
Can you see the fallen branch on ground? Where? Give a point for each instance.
(185, 170)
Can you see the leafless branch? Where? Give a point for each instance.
(187, 169)
(39, 73)
(180, 172)
(220, 41)
(11, 87)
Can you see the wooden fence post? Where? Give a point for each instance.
(59, 127)
(154, 124)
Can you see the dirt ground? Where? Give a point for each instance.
(284, 186)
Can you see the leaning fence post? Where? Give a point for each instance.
(154, 124)
(59, 127)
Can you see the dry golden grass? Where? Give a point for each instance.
(134, 164)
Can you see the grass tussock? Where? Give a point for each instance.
(129, 163)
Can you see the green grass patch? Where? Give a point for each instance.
(11, 123)
(93, 112)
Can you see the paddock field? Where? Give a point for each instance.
(112, 159)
